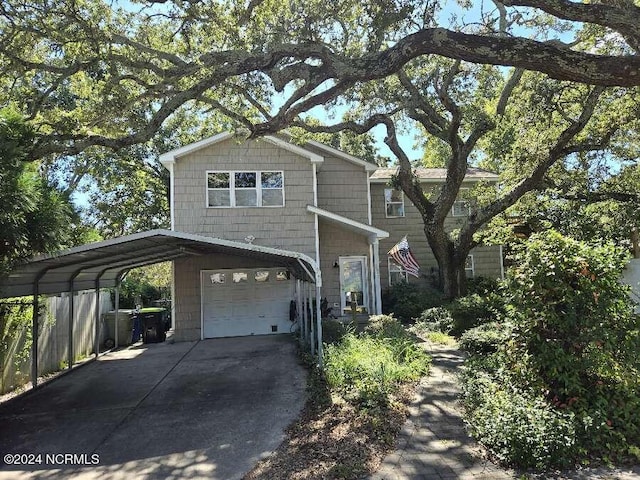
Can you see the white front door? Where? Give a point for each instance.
(353, 283)
(245, 301)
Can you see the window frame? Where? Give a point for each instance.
(459, 201)
(387, 203)
(232, 188)
(399, 269)
(473, 267)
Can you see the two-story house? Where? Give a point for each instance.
(311, 200)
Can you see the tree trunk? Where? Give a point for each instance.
(451, 271)
(635, 242)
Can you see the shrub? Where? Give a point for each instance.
(474, 310)
(485, 338)
(365, 369)
(436, 319)
(575, 335)
(482, 285)
(408, 300)
(333, 331)
(519, 428)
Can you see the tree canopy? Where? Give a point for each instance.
(89, 75)
(35, 216)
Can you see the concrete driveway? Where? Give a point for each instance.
(185, 410)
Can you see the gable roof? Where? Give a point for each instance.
(173, 155)
(368, 166)
(383, 175)
(170, 157)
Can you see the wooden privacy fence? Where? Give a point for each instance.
(53, 335)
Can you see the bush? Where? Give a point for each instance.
(485, 338)
(436, 319)
(333, 331)
(474, 310)
(408, 300)
(482, 285)
(570, 373)
(519, 428)
(366, 369)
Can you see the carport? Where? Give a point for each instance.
(104, 264)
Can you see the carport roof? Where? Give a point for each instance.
(103, 263)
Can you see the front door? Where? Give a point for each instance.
(353, 284)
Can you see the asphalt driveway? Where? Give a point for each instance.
(186, 410)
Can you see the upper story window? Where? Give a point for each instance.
(245, 189)
(394, 202)
(462, 206)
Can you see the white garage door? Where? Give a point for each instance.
(242, 302)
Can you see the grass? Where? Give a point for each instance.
(356, 407)
(440, 338)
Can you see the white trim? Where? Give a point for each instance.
(469, 178)
(361, 227)
(368, 166)
(473, 266)
(372, 298)
(365, 287)
(501, 264)
(314, 157)
(232, 188)
(173, 155)
(172, 193)
(453, 211)
(386, 203)
(316, 225)
(376, 272)
(369, 215)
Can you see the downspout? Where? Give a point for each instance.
(170, 166)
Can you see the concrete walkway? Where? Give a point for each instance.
(433, 443)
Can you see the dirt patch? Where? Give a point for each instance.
(334, 439)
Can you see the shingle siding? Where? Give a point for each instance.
(342, 188)
(337, 242)
(289, 227)
(486, 258)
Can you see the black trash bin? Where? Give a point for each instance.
(153, 325)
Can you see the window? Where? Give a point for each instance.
(397, 274)
(469, 267)
(240, 277)
(261, 276)
(217, 278)
(245, 189)
(282, 275)
(461, 207)
(394, 202)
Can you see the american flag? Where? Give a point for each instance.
(401, 254)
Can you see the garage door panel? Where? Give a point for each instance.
(249, 307)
